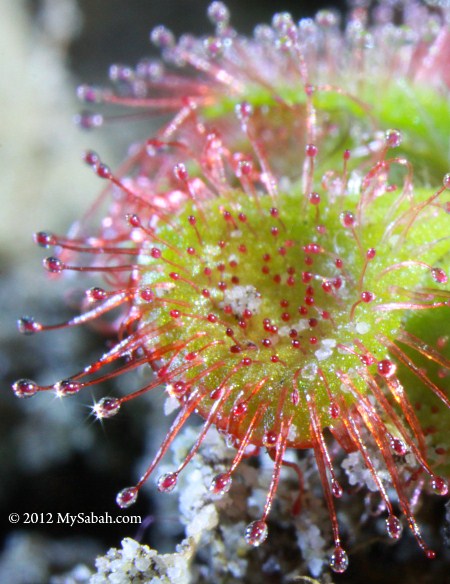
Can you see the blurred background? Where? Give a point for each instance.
(47, 47)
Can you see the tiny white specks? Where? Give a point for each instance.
(210, 251)
(309, 371)
(323, 354)
(292, 434)
(359, 474)
(236, 233)
(242, 298)
(326, 349)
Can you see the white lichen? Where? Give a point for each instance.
(136, 564)
(358, 473)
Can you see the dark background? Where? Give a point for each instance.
(117, 30)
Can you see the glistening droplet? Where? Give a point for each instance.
(67, 387)
(394, 527)
(339, 561)
(127, 497)
(221, 484)
(256, 533)
(439, 486)
(167, 482)
(107, 407)
(25, 388)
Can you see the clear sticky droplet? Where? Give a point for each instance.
(334, 410)
(256, 533)
(393, 138)
(339, 561)
(25, 388)
(95, 294)
(336, 489)
(386, 368)
(28, 326)
(244, 111)
(439, 275)
(213, 46)
(53, 265)
(167, 482)
(311, 150)
(394, 527)
(127, 497)
(179, 389)
(439, 486)
(398, 446)
(218, 13)
(162, 37)
(347, 219)
(107, 407)
(221, 484)
(239, 410)
(89, 94)
(44, 239)
(269, 439)
(88, 120)
(180, 172)
(67, 387)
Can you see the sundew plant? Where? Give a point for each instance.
(278, 251)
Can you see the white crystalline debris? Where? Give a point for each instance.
(312, 544)
(205, 520)
(362, 328)
(136, 563)
(242, 298)
(197, 512)
(359, 474)
(170, 405)
(326, 349)
(299, 326)
(309, 371)
(232, 549)
(283, 331)
(211, 251)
